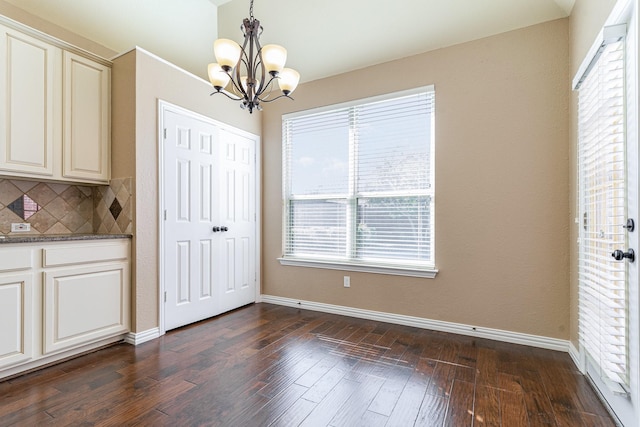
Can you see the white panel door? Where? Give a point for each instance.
(190, 188)
(209, 204)
(238, 219)
(30, 95)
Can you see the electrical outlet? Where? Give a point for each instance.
(20, 226)
(347, 281)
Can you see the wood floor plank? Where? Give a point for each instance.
(487, 406)
(513, 410)
(371, 419)
(406, 410)
(331, 404)
(325, 384)
(388, 395)
(487, 367)
(539, 409)
(355, 408)
(295, 414)
(461, 409)
(432, 411)
(272, 410)
(320, 369)
(272, 365)
(442, 379)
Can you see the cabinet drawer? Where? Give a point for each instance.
(82, 254)
(12, 259)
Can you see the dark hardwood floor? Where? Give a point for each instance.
(269, 365)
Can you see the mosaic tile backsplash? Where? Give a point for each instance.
(53, 208)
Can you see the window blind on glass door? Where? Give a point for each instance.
(602, 201)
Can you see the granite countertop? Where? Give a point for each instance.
(13, 238)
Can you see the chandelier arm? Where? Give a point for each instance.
(259, 63)
(266, 86)
(278, 97)
(225, 93)
(237, 88)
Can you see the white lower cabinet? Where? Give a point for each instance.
(16, 318)
(82, 305)
(59, 299)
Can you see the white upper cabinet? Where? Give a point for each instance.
(54, 110)
(87, 101)
(29, 104)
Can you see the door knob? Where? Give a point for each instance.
(619, 255)
(216, 229)
(224, 228)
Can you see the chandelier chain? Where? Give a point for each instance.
(251, 10)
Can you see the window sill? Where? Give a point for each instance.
(411, 271)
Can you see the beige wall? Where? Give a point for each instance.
(586, 21)
(502, 186)
(40, 24)
(139, 81)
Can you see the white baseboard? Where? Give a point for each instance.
(577, 357)
(419, 322)
(137, 338)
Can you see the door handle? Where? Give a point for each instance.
(224, 229)
(216, 229)
(619, 255)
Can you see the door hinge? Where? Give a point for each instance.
(165, 214)
(165, 296)
(164, 133)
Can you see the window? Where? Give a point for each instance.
(358, 185)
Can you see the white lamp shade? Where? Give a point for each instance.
(288, 80)
(217, 76)
(227, 52)
(274, 57)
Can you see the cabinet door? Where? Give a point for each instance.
(30, 94)
(16, 314)
(86, 140)
(85, 304)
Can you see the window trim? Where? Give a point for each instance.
(367, 266)
(364, 267)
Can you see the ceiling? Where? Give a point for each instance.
(323, 38)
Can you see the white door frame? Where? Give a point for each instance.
(164, 106)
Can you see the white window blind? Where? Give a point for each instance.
(358, 182)
(602, 174)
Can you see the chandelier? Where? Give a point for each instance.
(251, 69)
